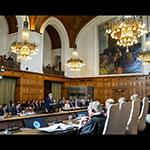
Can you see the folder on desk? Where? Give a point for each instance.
(56, 127)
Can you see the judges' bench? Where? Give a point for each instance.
(18, 121)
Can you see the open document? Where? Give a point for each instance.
(56, 127)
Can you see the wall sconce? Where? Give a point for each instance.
(2, 69)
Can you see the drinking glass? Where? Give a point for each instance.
(69, 119)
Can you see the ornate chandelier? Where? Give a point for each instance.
(126, 30)
(144, 56)
(24, 49)
(75, 63)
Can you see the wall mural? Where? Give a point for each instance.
(115, 60)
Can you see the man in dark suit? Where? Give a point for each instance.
(1, 110)
(49, 102)
(93, 125)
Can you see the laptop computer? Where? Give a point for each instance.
(81, 114)
(35, 122)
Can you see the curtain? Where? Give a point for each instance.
(7, 89)
(56, 90)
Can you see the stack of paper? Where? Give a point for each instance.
(56, 127)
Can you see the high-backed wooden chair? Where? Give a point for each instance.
(111, 122)
(125, 109)
(143, 113)
(133, 118)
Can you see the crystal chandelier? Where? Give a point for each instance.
(75, 63)
(126, 30)
(145, 55)
(24, 49)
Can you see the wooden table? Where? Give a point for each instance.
(50, 117)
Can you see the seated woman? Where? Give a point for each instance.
(67, 105)
(94, 124)
(29, 111)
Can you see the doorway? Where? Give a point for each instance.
(47, 88)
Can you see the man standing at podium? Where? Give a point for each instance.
(49, 102)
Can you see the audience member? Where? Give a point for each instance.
(61, 103)
(1, 110)
(10, 58)
(67, 105)
(5, 108)
(13, 109)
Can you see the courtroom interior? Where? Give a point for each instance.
(74, 75)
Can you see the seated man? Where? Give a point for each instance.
(94, 124)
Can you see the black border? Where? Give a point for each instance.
(73, 7)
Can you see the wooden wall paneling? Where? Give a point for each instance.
(17, 91)
(31, 85)
(115, 86)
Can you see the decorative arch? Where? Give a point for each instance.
(54, 36)
(5, 24)
(92, 28)
(96, 22)
(4, 31)
(12, 24)
(57, 24)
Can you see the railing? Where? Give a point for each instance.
(52, 71)
(10, 64)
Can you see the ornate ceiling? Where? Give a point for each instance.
(12, 24)
(73, 25)
(54, 36)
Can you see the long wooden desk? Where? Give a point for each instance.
(18, 121)
(28, 131)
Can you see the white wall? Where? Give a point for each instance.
(55, 52)
(88, 46)
(3, 36)
(11, 38)
(145, 47)
(146, 68)
(47, 48)
(65, 50)
(35, 64)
